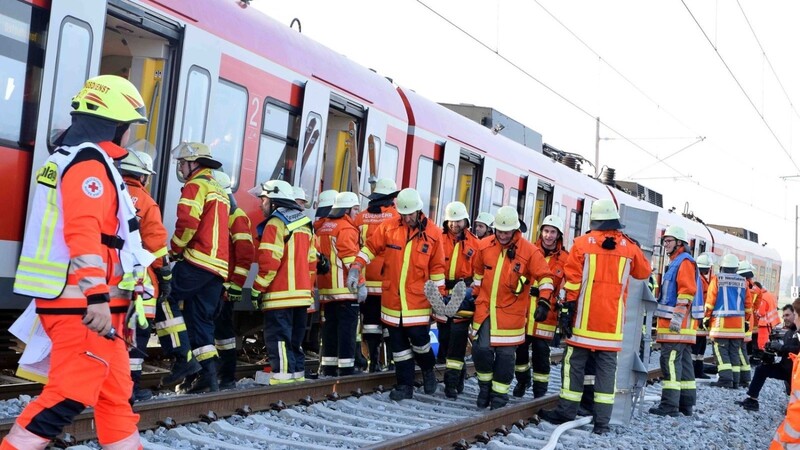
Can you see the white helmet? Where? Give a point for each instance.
(455, 211)
(703, 261)
(345, 200)
(408, 201)
(224, 181)
(485, 218)
(744, 267)
(383, 187)
(604, 209)
(729, 261)
(506, 219)
(676, 232)
(553, 221)
(327, 198)
(137, 162)
(195, 151)
(275, 189)
(300, 194)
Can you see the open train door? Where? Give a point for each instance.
(374, 139)
(447, 191)
(74, 46)
(314, 120)
(531, 185)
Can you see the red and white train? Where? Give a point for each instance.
(272, 103)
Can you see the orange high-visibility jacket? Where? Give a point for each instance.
(768, 310)
(201, 230)
(242, 250)
(706, 281)
(597, 280)
(367, 223)
(556, 259)
(726, 327)
(338, 240)
(458, 258)
(287, 261)
(503, 278)
(686, 289)
(787, 436)
(411, 257)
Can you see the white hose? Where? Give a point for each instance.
(551, 444)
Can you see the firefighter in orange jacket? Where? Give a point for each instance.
(287, 262)
(728, 308)
(483, 226)
(380, 209)
(460, 247)
(200, 247)
(241, 254)
(786, 436)
(675, 326)
(598, 270)
(699, 348)
(413, 255)
(542, 314)
(506, 269)
(339, 242)
(81, 212)
(136, 169)
(767, 313)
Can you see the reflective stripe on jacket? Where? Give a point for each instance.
(367, 223)
(768, 310)
(729, 305)
(503, 277)
(678, 289)
(411, 257)
(705, 281)
(597, 280)
(201, 230)
(241, 250)
(338, 241)
(556, 260)
(787, 436)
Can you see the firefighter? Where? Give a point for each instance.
(767, 313)
(699, 348)
(460, 247)
(675, 326)
(507, 270)
(311, 343)
(339, 242)
(542, 314)
(728, 309)
(380, 209)
(136, 169)
(412, 249)
(282, 289)
(324, 206)
(483, 225)
(241, 254)
(301, 197)
(786, 435)
(598, 270)
(81, 212)
(746, 269)
(200, 248)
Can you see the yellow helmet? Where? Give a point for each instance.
(553, 221)
(506, 219)
(485, 218)
(408, 201)
(703, 261)
(604, 209)
(110, 97)
(729, 261)
(224, 181)
(455, 211)
(196, 151)
(327, 198)
(676, 232)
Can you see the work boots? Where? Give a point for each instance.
(181, 369)
(451, 379)
(206, 381)
(483, 394)
(699, 374)
(498, 400)
(523, 381)
(750, 404)
(139, 394)
(661, 410)
(462, 377)
(227, 369)
(429, 381)
(402, 392)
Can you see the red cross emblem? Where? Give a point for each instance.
(92, 187)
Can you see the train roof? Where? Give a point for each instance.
(255, 31)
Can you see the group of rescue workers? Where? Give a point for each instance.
(97, 260)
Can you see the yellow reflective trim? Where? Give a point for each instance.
(404, 275)
(453, 262)
(55, 265)
(160, 253)
(587, 294)
(242, 237)
(493, 296)
(33, 269)
(572, 286)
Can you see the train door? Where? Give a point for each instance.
(531, 185)
(543, 205)
(450, 160)
(468, 188)
(313, 120)
(343, 147)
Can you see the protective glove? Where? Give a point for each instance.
(473, 334)
(323, 264)
(234, 293)
(353, 276)
(706, 323)
(434, 297)
(746, 326)
(542, 309)
(175, 256)
(676, 321)
(520, 284)
(362, 293)
(565, 318)
(255, 298)
(164, 276)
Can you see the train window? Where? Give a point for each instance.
(310, 158)
(387, 167)
(486, 201)
(497, 197)
(574, 227)
(448, 187)
(196, 105)
(226, 121)
(72, 70)
(513, 198)
(277, 152)
(429, 174)
(21, 60)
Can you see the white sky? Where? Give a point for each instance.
(644, 67)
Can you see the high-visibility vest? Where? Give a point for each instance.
(669, 290)
(44, 261)
(730, 296)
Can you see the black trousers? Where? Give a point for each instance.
(284, 330)
(764, 371)
(339, 337)
(410, 344)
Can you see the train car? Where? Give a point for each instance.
(271, 103)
